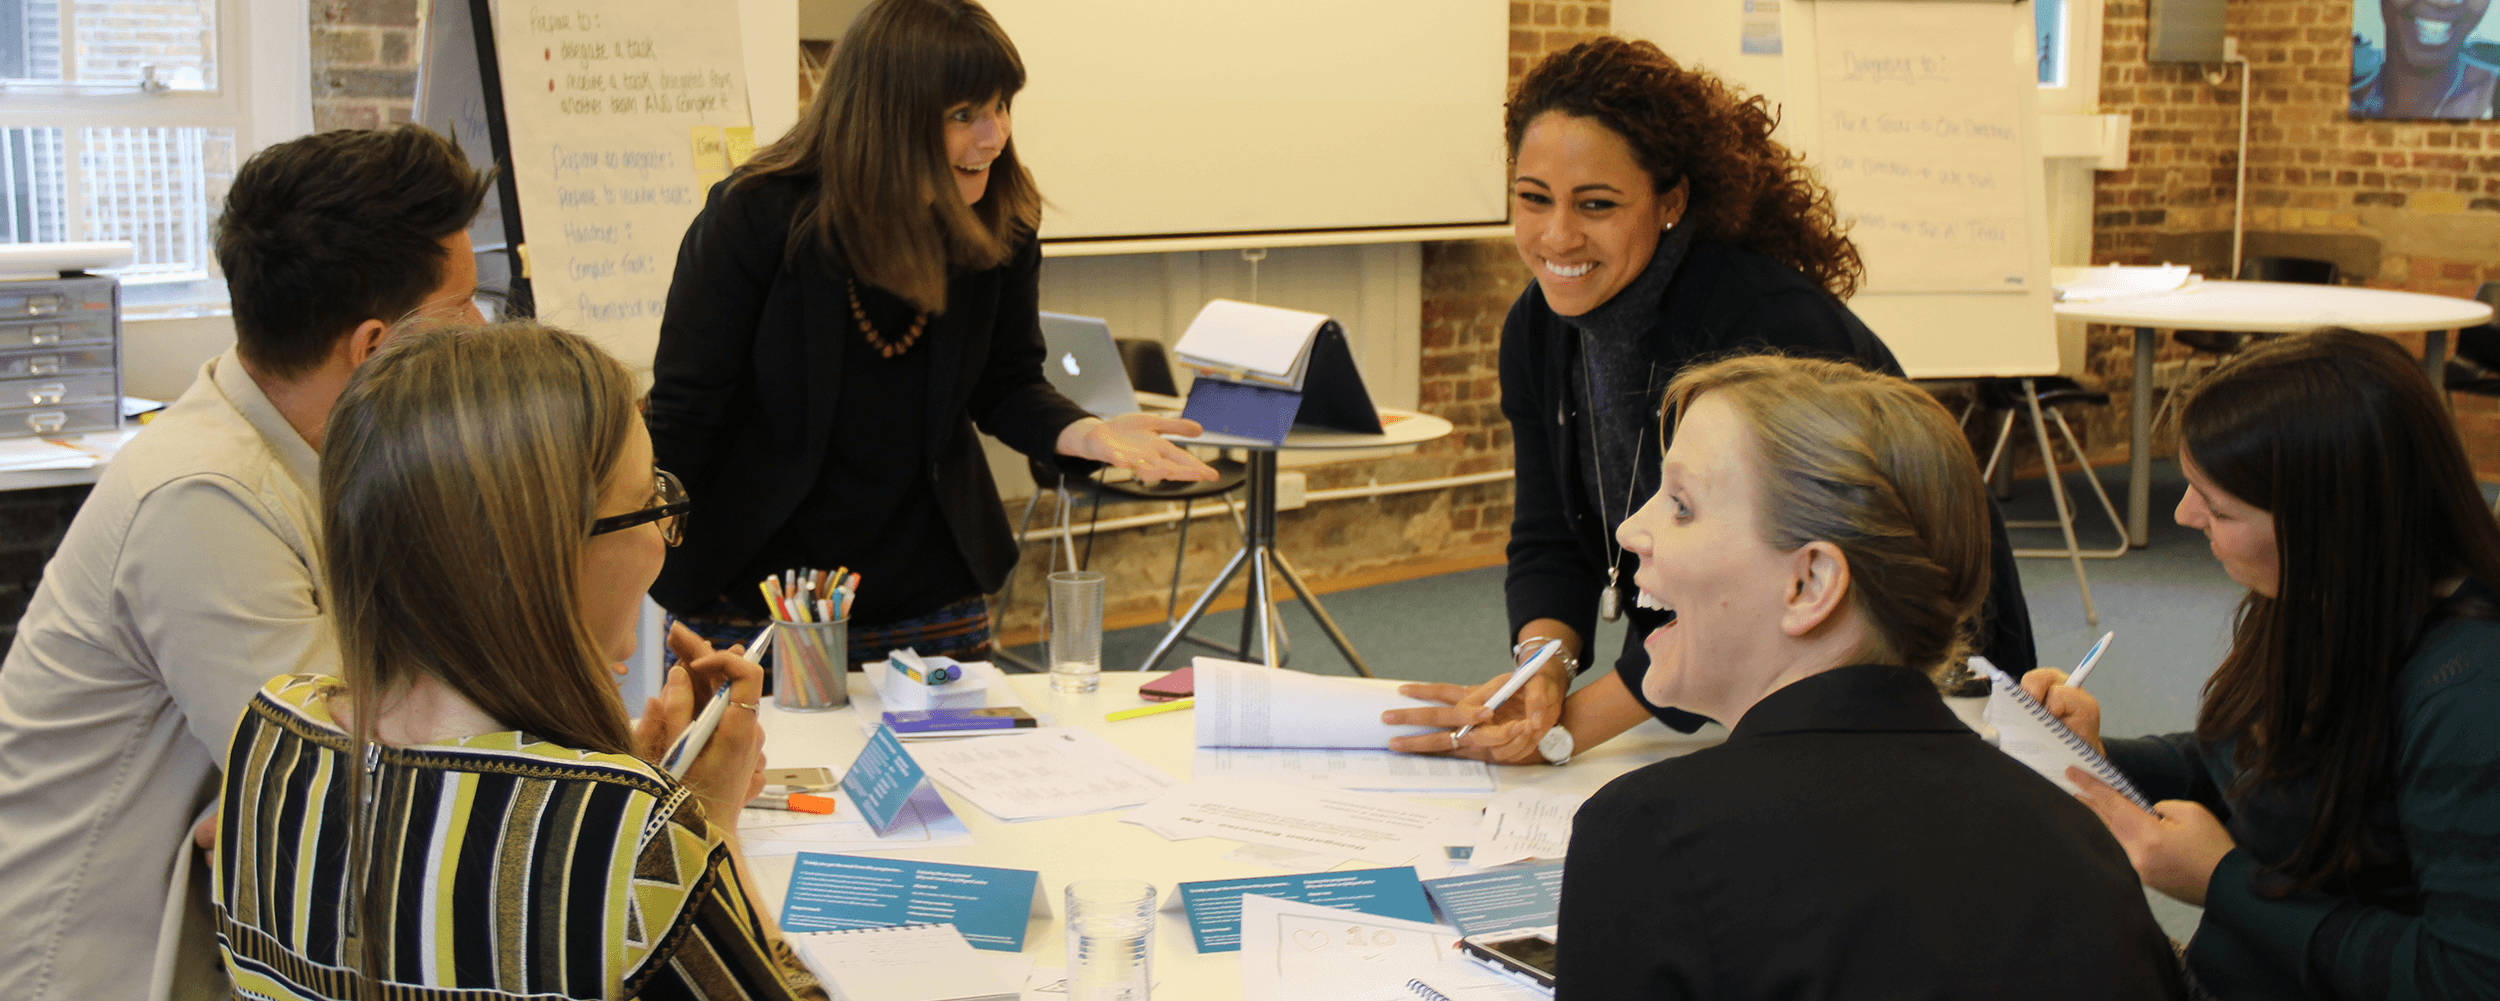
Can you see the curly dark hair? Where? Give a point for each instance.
(1688, 124)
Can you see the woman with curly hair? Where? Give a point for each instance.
(1664, 226)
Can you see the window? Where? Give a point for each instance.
(2069, 33)
(122, 122)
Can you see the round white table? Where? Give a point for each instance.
(2263, 307)
(1258, 548)
(1072, 848)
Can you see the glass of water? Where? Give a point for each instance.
(1111, 924)
(1075, 630)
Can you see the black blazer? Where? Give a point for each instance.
(1851, 839)
(1721, 300)
(750, 359)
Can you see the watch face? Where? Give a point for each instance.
(1555, 745)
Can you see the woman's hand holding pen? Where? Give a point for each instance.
(1507, 735)
(730, 770)
(1134, 442)
(2072, 706)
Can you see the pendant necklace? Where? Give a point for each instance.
(1610, 601)
(919, 322)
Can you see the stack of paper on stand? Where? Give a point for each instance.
(1261, 370)
(904, 963)
(1287, 726)
(1382, 830)
(1293, 951)
(1524, 824)
(1050, 772)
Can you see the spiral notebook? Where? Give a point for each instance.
(922, 962)
(2032, 735)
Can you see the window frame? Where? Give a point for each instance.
(2081, 93)
(263, 94)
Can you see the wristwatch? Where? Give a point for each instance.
(1555, 745)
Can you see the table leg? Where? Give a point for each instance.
(1327, 622)
(2435, 360)
(2140, 443)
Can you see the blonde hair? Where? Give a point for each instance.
(461, 471)
(1876, 467)
(874, 141)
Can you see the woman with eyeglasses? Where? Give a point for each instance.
(853, 307)
(466, 807)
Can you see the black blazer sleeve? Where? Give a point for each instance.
(1011, 400)
(725, 270)
(1550, 574)
(1631, 926)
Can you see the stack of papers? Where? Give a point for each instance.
(1351, 769)
(36, 453)
(1287, 726)
(1048, 772)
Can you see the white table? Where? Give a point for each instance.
(1073, 848)
(1258, 548)
(2259, 307)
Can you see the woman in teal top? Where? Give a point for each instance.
(2337, 810)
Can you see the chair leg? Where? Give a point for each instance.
(1172, 599)
(2057, 490)
(2116, 523)
(2005, 430)
(1006, 592)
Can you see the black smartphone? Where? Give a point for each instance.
(1529, 955)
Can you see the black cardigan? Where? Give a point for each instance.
(1721, 300)
(1851, 839)
(750, 359)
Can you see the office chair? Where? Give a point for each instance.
(2043, 399)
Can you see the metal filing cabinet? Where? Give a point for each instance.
(60, 356)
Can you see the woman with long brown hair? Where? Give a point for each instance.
(1664, 226)
(2336, 811)
(848, 308)
(466, 809)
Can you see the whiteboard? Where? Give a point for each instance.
(1928, 296)
(620, 115)
(1145, 118)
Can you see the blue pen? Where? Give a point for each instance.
(2089, 659)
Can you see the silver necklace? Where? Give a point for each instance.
(1610, 601)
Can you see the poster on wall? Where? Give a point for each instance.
(2423, 59)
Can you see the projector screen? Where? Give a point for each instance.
(1162, 118)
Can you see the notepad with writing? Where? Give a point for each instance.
(928, 962)
(2032, 735)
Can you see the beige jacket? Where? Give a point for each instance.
(188, 579)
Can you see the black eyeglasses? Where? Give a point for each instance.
(670, 512)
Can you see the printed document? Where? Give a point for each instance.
(1250, 705)
(1524, 824)
(1291, 951)
(1382, 830)
(1049, 772)
(1350, 768)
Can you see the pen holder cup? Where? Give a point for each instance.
(811, 662)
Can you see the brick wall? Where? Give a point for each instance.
(31, 523)
(2397, 204)
(365, 55)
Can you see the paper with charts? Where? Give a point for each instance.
(1036, 774)
(1293, 951)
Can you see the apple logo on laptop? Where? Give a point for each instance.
(1068, 361)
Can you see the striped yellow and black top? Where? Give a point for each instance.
(516, 868)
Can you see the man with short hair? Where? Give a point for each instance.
(190, 575)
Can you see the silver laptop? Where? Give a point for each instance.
(1084, 365)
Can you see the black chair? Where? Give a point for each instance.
(2475, 368)
(2043, 399)
(1149, 370)
(2214, 346)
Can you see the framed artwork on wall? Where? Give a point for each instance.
(2423, 59)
